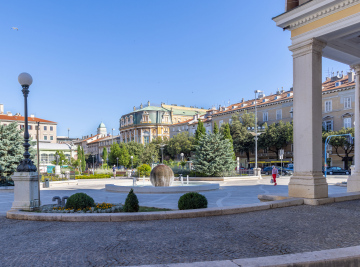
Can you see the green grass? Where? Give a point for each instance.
(148, 209)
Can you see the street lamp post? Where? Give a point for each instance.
(26, 179)
(26, 165)
(117, 163)
(93, 158)
(68, 133)
(132, 162)
(182, 158)
(256, 134)
(102, 162)
(162, 152)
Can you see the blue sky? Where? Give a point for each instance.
(92, 61)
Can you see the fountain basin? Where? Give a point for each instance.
(177, 187)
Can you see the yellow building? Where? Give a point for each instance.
(338, 101)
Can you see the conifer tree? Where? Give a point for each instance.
(216, 128)
(214, 155)
(227, 136)
(105, 154)
(83, 161)
(200, 130)
(11, 149)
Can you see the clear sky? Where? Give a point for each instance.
(92, 61)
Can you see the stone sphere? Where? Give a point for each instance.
(161, 175)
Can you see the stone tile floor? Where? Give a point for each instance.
(263, 233)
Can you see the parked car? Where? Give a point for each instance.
(336, 170)
(268, 171)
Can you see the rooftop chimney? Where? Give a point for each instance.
(9, 113)
(1, 108)
(134, 108)
(148, 103)
(351, 76)
(141, 106)
(32, 116)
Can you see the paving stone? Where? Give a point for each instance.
(268, 232)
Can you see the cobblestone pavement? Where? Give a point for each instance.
(263, 233)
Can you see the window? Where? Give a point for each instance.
(22, 127)
(45, 128)
(291, 112)
(328, 125)
(230, 121)
(328, 106)
(347, 102)
(44, 158)
(146, 118)
(279, 114)
(146, 139)
(265, 116)
(29, 127)
(220, 123)
(338, 84)
(51, 137)
(45, 137)
(347, 122)
(51, 128)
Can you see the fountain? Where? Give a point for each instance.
(162, 182)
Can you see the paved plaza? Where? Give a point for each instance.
(263, 233)
(233, 192)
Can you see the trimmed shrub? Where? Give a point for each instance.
(144, 169)
(79, 201)
(192, 200)
(131, 203)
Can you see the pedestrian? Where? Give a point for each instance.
(274, 174)
(114, 171)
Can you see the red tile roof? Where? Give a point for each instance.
(326, 86)
(22, 118)
(89, 138)
(98, 140)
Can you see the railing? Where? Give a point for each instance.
(245, 172)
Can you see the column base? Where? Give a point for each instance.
(257, 172)
(353, 182)
(25, 191)
(306, 185)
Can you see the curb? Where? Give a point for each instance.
(148, 216)
(324, 258)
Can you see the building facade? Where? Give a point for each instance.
(338, 99)
(144, 124)
(190, 126)
(47, 129)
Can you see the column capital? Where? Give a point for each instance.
(356, 68)
(306, 47)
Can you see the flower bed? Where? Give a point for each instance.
(99, 208)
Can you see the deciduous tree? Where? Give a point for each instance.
(343, 145)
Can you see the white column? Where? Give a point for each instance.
(141, 136)
(353, 184)
(308, 180)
